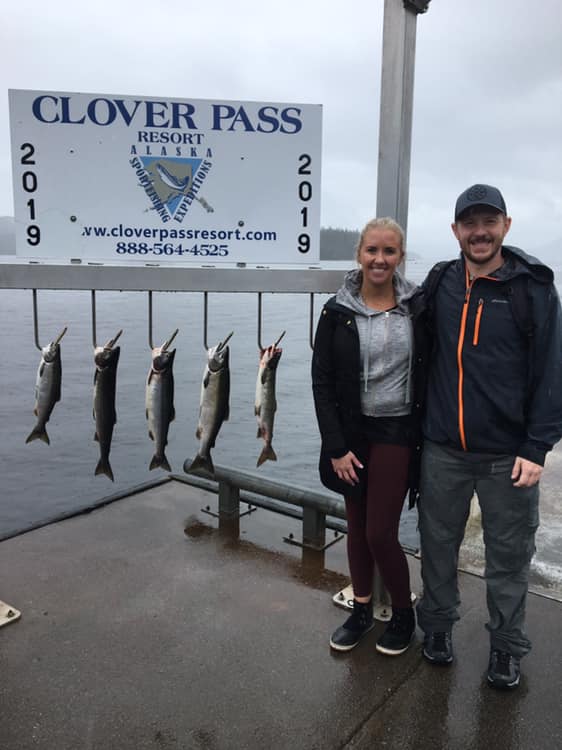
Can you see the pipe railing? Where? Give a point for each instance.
(316, 506)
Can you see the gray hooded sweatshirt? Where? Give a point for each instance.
(386, 347)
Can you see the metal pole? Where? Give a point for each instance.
(397, 93)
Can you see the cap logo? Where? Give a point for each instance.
(476, 193)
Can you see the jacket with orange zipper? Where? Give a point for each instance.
(491, 388)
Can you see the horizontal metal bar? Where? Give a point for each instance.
(169, 279)
(250, 498)
(301, 496)
(330, 506)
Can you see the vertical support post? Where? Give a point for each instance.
(381, 598)
(313, 527)
(229, 500)
(397, 93)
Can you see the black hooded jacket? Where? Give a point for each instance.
(336, 387)
(491, 388)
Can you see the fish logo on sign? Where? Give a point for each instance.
(171, 184)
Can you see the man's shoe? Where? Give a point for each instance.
(399, 632)
(503, 670)
(438, 647)
(358, 624)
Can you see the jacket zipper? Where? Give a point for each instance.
(460, 344)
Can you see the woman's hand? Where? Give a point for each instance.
(344, 467)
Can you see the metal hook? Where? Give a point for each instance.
(35, 320)
(311, 327)
(222, 344)
(260, 346)
(151, 345)
(205, 319)
(150, 342)
(36, 324)
(94, 318)
(167, 343)
(111, 343)
(276, 344)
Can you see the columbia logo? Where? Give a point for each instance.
(501, 301)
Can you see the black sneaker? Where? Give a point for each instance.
(503, 670)
(354, 628)
(399, 632)
(438, 647)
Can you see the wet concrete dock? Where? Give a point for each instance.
(145, 625)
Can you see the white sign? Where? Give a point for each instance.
(104, 177)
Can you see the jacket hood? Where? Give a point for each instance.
(517, 262)
(349, 294)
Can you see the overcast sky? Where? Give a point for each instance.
(487, 107)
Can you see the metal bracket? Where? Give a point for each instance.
(417, 6)
(382, 608)
(315, 547)
(8, 614)
(209, 512)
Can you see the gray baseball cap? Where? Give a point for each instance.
(480, 195)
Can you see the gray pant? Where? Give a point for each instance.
(510, 518)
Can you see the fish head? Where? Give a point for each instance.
(217, 357)
(162, 359)
(50, 352)
(105, 357)
(270, 357)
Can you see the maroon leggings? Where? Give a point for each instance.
(372, 525)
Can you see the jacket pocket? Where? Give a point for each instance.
(479, 311)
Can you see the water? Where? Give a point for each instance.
(40, 482)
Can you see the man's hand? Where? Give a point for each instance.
(525, 473)
(344, 467)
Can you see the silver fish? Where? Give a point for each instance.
(47, 389)
(214, 404)
(172, 181)
(106, 359)
(266, 403)
(160, 401)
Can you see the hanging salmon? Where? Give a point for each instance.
(214, 404)
(47, 389)
(106, 359)
(160, 401)
(266, 402)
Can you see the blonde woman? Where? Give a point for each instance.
(368, 380)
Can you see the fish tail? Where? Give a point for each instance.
(104, 467)
(267, 453)
(202, 463)
(38, 433)
(159, 462)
